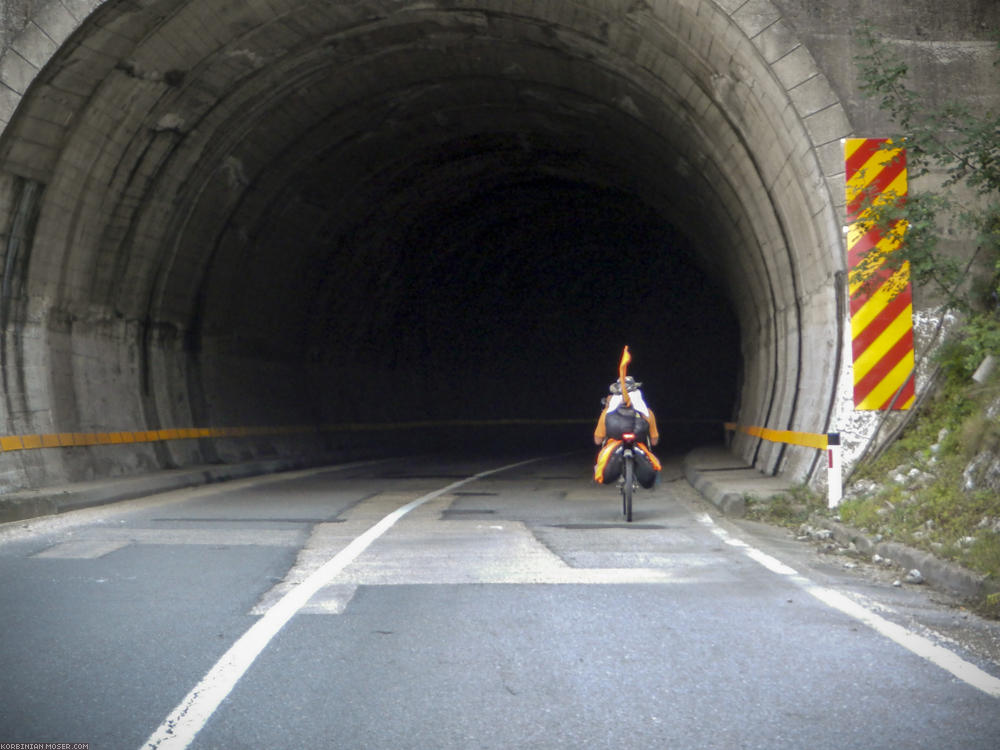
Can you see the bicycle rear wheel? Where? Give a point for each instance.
(628, 487)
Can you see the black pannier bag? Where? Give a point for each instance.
(645, 474)
(626, 419)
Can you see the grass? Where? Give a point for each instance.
(991, 607)
(933, 509)
(790, 509)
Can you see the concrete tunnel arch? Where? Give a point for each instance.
(220, 213)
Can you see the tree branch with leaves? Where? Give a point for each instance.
(963, 149)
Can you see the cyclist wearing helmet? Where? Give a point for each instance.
(615, 400)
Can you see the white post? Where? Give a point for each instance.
(833, 478)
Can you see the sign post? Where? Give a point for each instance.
(834, 480)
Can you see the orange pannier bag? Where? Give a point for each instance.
(609, 462)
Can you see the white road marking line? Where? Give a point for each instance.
(923, 647)
(180, 728)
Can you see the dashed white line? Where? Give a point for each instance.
(180, 728)
(923, 647)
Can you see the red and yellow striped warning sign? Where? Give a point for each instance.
(881, 297)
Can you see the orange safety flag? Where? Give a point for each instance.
(622, 367)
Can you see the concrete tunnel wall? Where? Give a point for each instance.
(290, 212)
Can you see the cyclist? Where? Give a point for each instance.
(625, 411)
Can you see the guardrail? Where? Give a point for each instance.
(825, 441)
(829, 442)
(85, 439)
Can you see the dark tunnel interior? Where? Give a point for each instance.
(506, 294)
(516, 303)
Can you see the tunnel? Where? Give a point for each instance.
(295, 214)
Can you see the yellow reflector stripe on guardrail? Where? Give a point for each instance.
(84, 439)
(819, 441)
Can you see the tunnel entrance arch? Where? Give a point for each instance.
(224, 201)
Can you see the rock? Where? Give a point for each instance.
(863, 488)
(983, 472)
(993, 410)
(811, 532)
(992, 524)
(914, 576)
(918, 478)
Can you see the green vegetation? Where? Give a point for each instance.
(991, 606)
(963, 148)
(922, 497)
(791, 509)
(917, 490)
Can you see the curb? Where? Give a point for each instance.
(939, 574)
(27, 504)
(730, 503)
(726, 480)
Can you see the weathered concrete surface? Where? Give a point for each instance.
(284, 213)
(728, 482)
(50, 501)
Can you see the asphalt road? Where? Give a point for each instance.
(516, 610)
